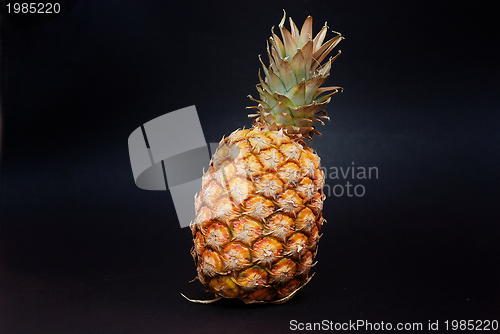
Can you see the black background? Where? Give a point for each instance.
(83, 250)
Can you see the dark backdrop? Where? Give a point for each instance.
(83, 250)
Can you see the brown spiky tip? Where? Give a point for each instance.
(290, 94)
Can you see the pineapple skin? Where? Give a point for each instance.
(258, 216)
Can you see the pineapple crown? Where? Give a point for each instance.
(290, 94)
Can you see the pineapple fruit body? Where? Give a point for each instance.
(259, 212)
(258, 216)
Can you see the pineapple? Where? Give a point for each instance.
(259, 212)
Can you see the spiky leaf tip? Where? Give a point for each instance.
(290, 94)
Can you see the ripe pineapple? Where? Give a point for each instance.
(258, 214)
